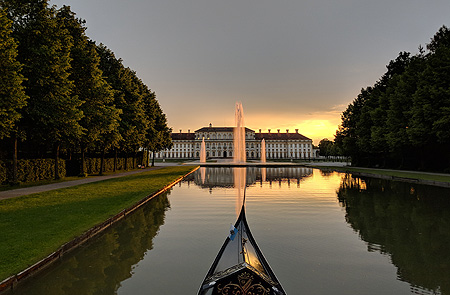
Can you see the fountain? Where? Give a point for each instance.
(239, 135)
(203, 152)
(240, 177)
(240, 174)
(263, 151)
(203, 160)
(239, 150)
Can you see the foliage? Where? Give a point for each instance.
(93, 164)
(403, 121)
(52, 114)
(3, 172)
(12, 95)
(32, 170)
(74, 96)
(328, 148)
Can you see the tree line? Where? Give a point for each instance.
(63, 93)
(403, 120)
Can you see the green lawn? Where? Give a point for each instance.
(34, 226)
(402, 174)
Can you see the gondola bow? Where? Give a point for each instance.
(240, 267)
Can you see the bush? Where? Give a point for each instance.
(31, 170)
(3, 172)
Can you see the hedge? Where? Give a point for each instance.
(42, 169)
(3, 172)
(93, 164)
(31, 170)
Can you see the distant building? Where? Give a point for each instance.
(219, 144)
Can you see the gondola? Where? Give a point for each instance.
(240, 267)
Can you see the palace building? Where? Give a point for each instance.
(219, 144)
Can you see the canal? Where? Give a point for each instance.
(321, 232)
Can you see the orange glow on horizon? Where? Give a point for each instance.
(316, 129)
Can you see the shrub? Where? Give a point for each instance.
(32, 170)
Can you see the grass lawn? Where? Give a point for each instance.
(402, 174)
(34, 226)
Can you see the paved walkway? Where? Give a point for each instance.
(48, 187)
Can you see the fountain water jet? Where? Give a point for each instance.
(240, 174)
(203, 152)
(263, 151)
(239, 135)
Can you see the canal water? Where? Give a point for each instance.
(321, 232)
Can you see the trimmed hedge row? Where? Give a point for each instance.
(93, 164)
(32, 170)
(3, 172)
(42, 169)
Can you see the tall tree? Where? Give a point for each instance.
(100, 116)
(12, 94)
(430, 128)
(399, 112)
(158, 136)
(129, 97)
(52, 114)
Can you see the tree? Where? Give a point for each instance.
(129, 92)
(12, 94)
(100, 116)
(158, 134)
(399, 112)
(52, 115)
(405, 114)
(326, 147)
(430, 113)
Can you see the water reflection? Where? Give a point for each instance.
(100, 266)
(305, 223)
(409, 223)
(225, 177)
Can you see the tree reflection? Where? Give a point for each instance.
(410, 223)
(98, 268)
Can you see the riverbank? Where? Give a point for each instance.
(36, 225)
(429, 178)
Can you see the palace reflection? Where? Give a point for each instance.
(223, 177)
(408, 222)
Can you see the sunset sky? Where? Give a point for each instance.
(294, 64)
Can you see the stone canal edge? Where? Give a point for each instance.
(12, 282)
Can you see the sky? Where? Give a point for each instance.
(294, 64)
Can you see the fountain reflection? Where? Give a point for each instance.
(225, 177)
(101, 265)
(408, 222)
(240, 177)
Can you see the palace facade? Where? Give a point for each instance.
(219, 144)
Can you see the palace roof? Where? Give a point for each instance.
(258, 136)
(281, 136)
(183, 136)
(220, 129)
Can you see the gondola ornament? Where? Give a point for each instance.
(240, 267)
